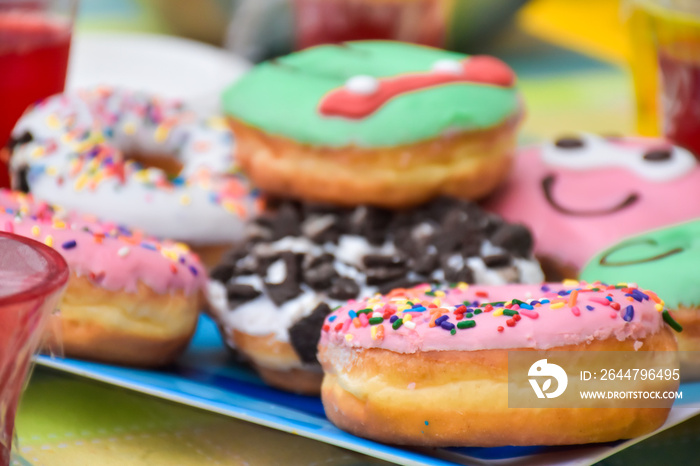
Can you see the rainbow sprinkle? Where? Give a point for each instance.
(52, 219)
(406, 309)
(92, 159)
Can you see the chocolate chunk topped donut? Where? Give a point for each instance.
(300, 256)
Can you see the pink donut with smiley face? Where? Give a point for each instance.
(581, 194)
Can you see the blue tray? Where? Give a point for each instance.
(207, 378)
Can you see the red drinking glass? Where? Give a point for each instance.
(34, 46)
(665, 64)
(32, 279)
(680, 91)
(333, 21)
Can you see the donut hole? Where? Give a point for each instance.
(169, 164)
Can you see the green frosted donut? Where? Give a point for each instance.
(419, 88)
(665, 260)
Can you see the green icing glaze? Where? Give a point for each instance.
(281, 97)
(666, 261)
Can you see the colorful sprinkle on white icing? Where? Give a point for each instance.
(73, 151)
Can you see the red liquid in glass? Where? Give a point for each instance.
(334, 21)
(33, 61)
(680, 81)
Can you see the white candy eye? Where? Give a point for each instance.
(589, 152)
(362, 84)
(448, 66)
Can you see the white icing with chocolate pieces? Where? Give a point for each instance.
(301, 260)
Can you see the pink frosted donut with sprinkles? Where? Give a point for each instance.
(429, 367)
(130, 299)
(135, 159)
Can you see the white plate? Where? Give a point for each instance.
(164, 65)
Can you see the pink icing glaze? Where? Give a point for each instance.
(639, 143)
(574, 239)
(111, 256)
(561, 321)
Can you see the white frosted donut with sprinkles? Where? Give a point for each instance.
(134, 159)
(130, 299)
(430, 366)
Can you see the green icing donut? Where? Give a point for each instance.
(666, 261)
(282, 97)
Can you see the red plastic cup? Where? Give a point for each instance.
(34, 47)
(32, 278)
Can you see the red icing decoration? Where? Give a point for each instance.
(481, 69)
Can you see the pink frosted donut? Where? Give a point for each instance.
(130, 299)
(430, 367)
(581, 194)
